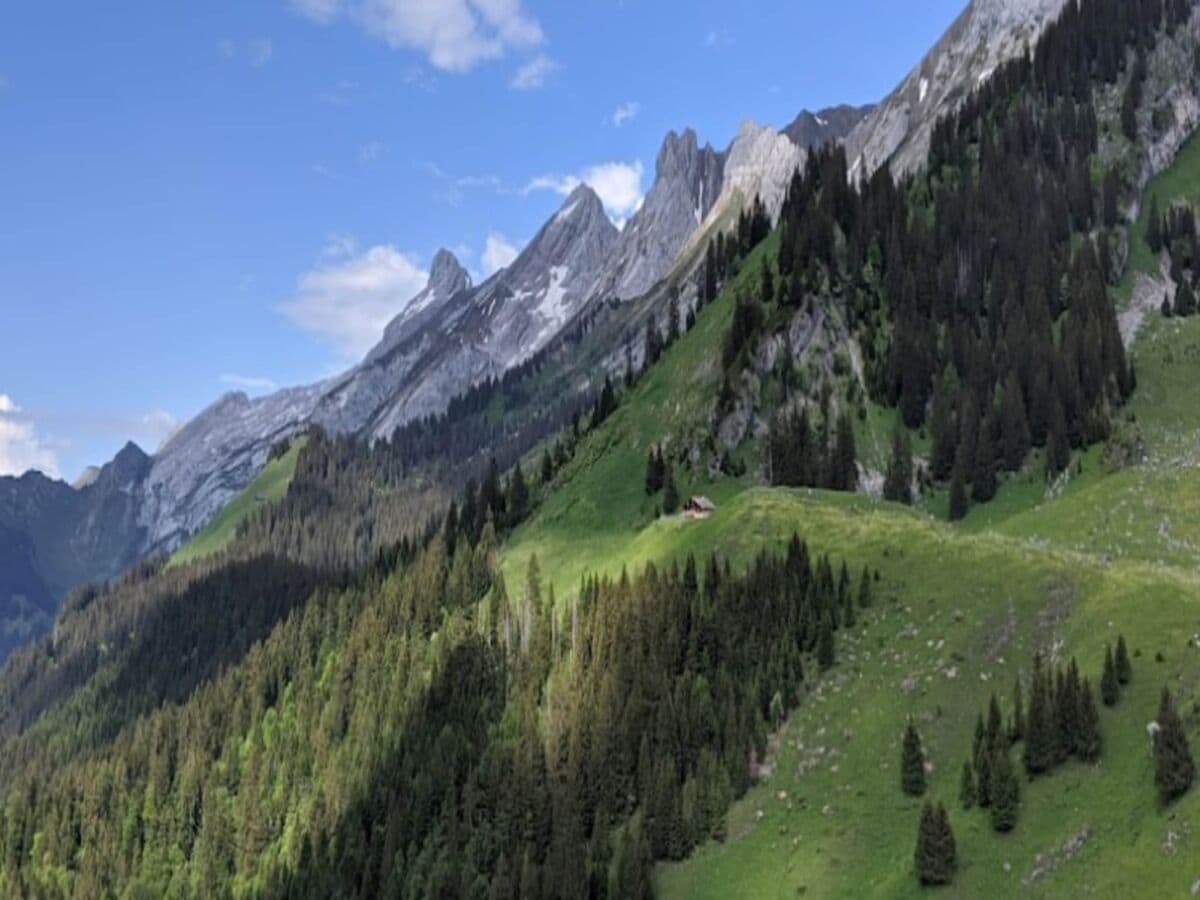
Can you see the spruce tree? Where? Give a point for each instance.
(994, 734)
(1005, 792)
(825, 645)
(1174, 768)
(897, 485)
(983, 776)
(983, 475)
(1040, 724)
(1015, 424)
(1185, 299)
(518, 496)
(1124, 669)
(1090, 743)
(670, 492)
(912, 763)
(936, 854)
(960, 504)
(1110, 688)
(864, 590)
(1016, 728)
(1058, 452)
(967, 794)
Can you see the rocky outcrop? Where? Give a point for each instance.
(986, 34)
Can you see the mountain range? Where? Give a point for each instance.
(455, 334)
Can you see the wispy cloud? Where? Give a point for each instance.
(716, 39)
(417, 77)
(261, 51)
(256, 52)
(452, 188)
(533, 74)
(249, 382)
(347, 300)
(341, 93)
(370, 152)
(454, 35)
(617, 184)
(626, 113)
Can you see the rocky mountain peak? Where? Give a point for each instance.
(812, 129)
(573, 237)
(687, 181)
(446, 275)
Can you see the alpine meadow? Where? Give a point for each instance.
(822, 522)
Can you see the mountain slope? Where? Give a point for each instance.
(985, 35)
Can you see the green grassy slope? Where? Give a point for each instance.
(1063, 575)
(269, 485)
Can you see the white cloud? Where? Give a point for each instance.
(21, 447)
(347, 301)
(261, 52)
(249, 382)
(625, 113)
(617, 184)
(455, 35)
(160, 426)
(227, 48)
(716, 39)
(318, 10)
(370, 152)
(534, 73)
(498, 253)
(342, 93)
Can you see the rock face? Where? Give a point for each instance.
(354, 398)
(987, 34)
(54, 536)
(687, 182)
(208, 461)
(811, 129)
(505, 320)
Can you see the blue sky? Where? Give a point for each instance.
(199, 197)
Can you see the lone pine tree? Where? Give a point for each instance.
(1124, 669)
(1174, 768)
(897, 485)
(912, 763)
(1110, 687)
(936, 855)
(966, 786)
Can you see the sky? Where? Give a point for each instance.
(204, 197)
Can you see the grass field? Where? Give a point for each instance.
(960, 612)
(271, 484)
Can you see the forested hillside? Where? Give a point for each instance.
(492, 658)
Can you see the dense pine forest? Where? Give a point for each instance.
(357, 698)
